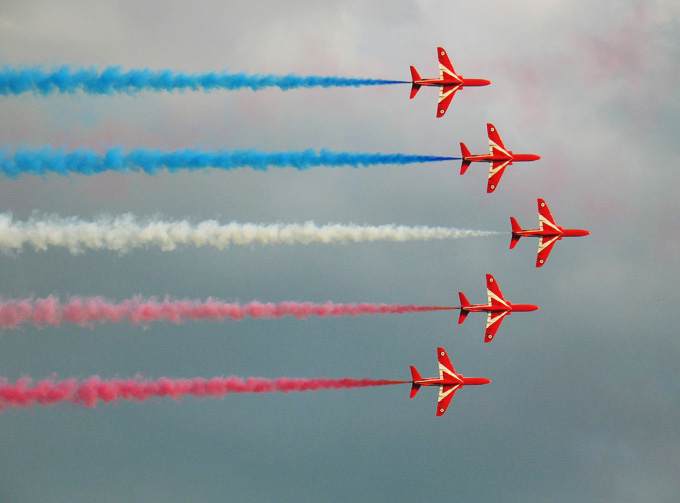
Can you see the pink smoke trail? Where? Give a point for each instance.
(26, 393)
(96, 310)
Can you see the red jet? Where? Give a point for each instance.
(448, 81)
(498, 156)
(548, 233)
(449, 382)
(497, 308)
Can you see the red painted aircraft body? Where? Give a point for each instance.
(497, 308)
(548, 233)
(498, 156)
(449, 82)
(448, 381)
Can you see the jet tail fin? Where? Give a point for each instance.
(515, 229)
(464, 304)
(415, 87)
(415, 376)
(464, 153)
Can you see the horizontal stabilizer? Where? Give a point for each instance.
(463, 300)
(414, 74)
(465, 153)
(415, 376)
(414, 90)
(464, 304)
(515, 230)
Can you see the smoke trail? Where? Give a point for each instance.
(26, 393)
(113, 80)
(124, 233)
(96, 310)
(88, 162)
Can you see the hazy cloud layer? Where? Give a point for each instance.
(584, 400)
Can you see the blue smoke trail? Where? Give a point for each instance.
(113, 80)
(87, 162)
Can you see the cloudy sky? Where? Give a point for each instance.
(585, 401)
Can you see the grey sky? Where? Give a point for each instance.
(584, 403)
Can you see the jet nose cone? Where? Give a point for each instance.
(576, 232)
(476, 380)
(525, 157)
(476, 82)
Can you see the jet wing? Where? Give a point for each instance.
(446, 94)
(545, 246)
(495, 173)
(446, 370)
(493, 323)
(444, 399)
(493, 292)
(495, 143)
(446, 71)
(545, 218)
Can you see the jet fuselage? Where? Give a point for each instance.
(435, 381)
(476, 308)
(561, 233)
(454, 83)
(512, 157)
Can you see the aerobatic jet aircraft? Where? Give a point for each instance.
(449, 382)
(548, 233)
(448, 81)
(498, 156)
(497, 308)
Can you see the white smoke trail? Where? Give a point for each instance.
(125, 232)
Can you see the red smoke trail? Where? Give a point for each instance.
(96, 310)
(25, 393)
